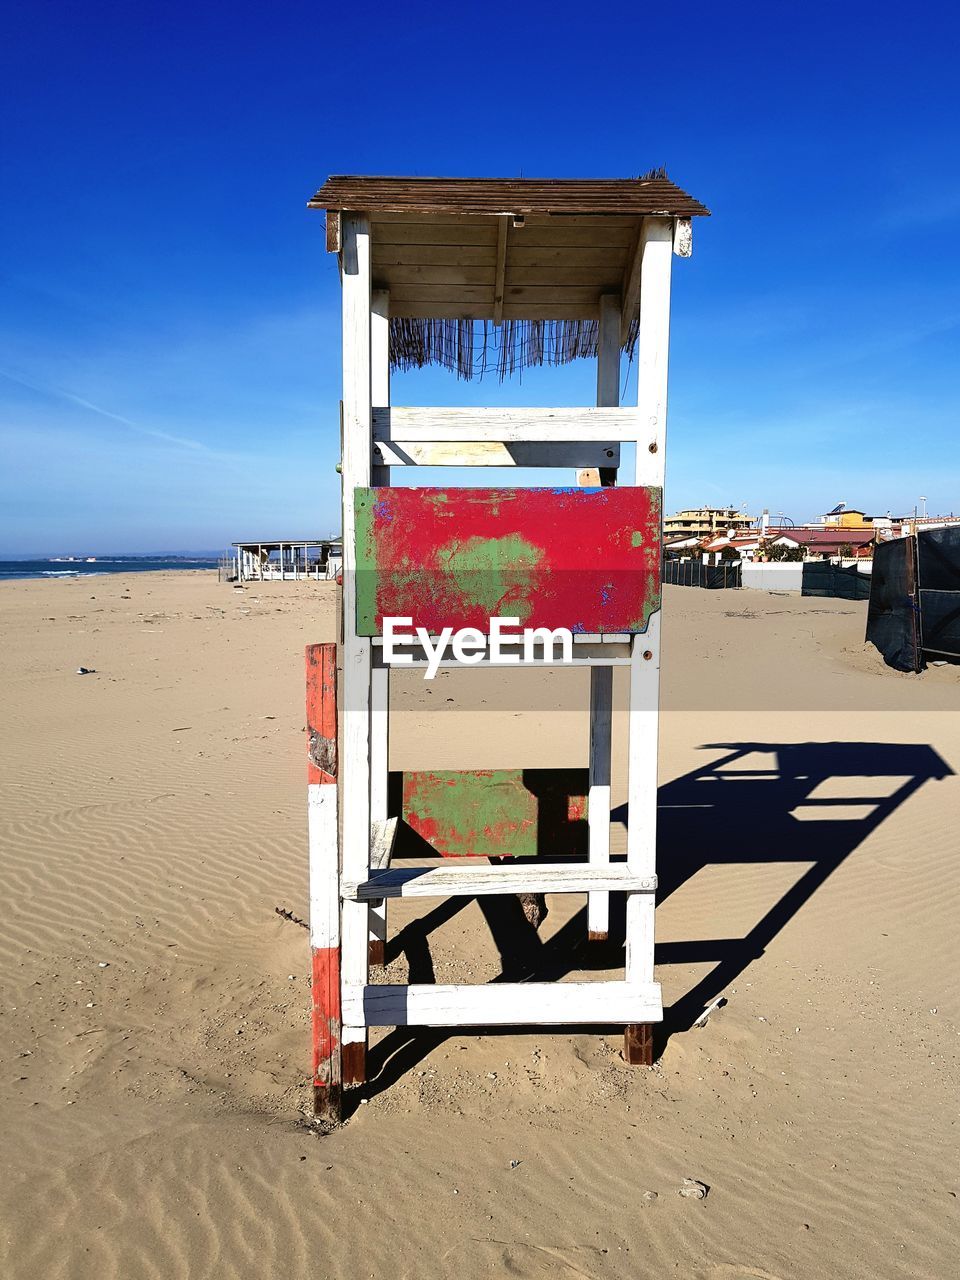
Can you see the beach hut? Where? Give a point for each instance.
(285, 559)
(484, 275)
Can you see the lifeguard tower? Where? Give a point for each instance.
(476, 275)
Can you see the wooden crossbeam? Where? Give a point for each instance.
(504, 1004)
(472, 880)
(496, 453)
(513, 425)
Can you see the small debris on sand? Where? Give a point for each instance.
(692, 1189)
(705, 1016)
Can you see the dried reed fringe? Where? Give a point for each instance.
(473, 348)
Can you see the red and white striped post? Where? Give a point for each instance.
(323, 836)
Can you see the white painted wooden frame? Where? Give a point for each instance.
(557, 877)
(510, 426)
(644, 714)
(380, 675)
(368, 417)
(356, 473)
(494, 453)
(601, 676)
(503, 1004)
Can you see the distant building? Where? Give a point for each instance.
(839, 542)
(705, 522)
(285, 559)
(844, 517)
(816, 543)
(736, 548)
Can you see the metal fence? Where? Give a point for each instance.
(694, 573)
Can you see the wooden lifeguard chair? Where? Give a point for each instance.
(481, 274)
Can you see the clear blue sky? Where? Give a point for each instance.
(169, 343)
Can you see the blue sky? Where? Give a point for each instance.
(169, 320)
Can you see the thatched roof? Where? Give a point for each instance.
(496, 274)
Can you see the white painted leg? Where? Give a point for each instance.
(355, 767)
(643, 732)
(379, 766)
(598, 809)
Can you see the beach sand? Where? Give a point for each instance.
(155, 1039)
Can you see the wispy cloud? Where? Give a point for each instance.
(61, 393)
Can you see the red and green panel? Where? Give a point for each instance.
(498, 813)
(584, 559)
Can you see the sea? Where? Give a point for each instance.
(83, 567)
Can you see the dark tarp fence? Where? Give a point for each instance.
(914, 608)
(694, 573)
(821, 578)
(938, 580)
(893, 616)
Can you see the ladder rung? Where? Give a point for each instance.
(438, 882)
(502, 1004)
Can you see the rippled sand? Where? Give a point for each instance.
(154, 1036)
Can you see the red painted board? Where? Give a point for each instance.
(585, 559)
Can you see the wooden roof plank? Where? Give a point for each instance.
(655, 195)
(434, 255)
(514, 294)
(427, 232)
(418, 273)
(484, 311)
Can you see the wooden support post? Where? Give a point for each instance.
(323, 841)
(638, 1044)
(601, 678)
(379, 766)
(655, 251)
(598, 807)
(356, 473)
(608, 352)
(500, 273)
(380, 678)
(380, 369)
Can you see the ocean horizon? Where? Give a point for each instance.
(91, 566)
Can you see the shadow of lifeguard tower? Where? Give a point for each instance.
(810, 803)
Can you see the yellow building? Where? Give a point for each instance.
(704, 522)
(844, 517)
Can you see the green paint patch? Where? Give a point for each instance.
(505, 813)
(636, 539)
(496, 574)
(366, 571)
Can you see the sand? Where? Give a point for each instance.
(154, 1035)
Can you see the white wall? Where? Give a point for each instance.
(773, 577)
